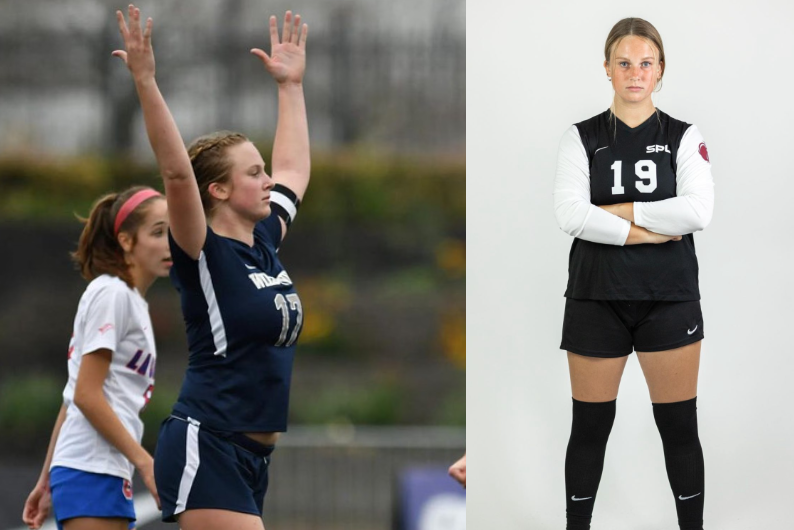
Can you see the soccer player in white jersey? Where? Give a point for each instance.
(633, 184)
(96, 443)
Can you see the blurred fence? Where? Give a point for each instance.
(345, 477)
(380, 73)
(322, 478)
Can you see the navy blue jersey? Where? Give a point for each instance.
(243, 318)
(637, 165)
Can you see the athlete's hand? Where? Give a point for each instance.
(139, 56)
(639, 235)
(287, 60)
(458, 471)
(624, 210)
(38, 506)
(146, 470)
(656, 239)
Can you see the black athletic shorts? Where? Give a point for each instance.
(615, 328)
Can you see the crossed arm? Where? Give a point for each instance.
(637, 222)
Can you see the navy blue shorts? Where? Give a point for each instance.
(195, 467)
(615, 328)
(78, 493)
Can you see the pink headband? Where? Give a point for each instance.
(129, 206)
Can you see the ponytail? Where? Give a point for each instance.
(98, 250)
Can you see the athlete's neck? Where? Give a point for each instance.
(141, 280)
(633, 114)
(225, 223)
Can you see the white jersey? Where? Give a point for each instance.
(112, 316)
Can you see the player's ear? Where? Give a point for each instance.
(606, 68)
(218, 191)
(125, 240)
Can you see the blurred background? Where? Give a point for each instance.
(377, 253)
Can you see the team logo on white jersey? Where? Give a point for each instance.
(262, 280)
(704, 152)
(657, 149)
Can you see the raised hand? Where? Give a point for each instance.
(139, 56)
(287, 60)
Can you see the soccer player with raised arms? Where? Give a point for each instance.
(633, 184)
(241, 311)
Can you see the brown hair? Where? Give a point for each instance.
(98, 250)
(640, 28)
(210, 163)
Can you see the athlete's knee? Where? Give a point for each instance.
(592, 422)
(677, 424)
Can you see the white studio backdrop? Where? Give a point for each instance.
(533, 69)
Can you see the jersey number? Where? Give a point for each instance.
(644, 169)
(284, 304)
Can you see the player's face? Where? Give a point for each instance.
(151, 253)
(249, 194)
(634, 69)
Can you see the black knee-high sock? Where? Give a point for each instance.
(683, 456)
(584, 460)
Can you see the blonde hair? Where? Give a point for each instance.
(210, 163)
(640, 28)
(645, 30)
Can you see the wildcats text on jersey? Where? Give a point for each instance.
(262, 280)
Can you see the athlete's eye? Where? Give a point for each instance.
(646, 64)
(624, 64)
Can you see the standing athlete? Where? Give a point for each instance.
(96, 443)
(240, 307)
(633, 184)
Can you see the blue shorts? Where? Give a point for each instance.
(78, 493)
(195, 467)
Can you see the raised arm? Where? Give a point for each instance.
(185, 212)
(287, 65)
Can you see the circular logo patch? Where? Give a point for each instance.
(126, 488)
(704, 152)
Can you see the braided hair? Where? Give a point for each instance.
(210, 163)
